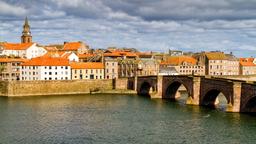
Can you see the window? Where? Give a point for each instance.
(66, 67)
(55, 73)
(45, 72)
(66, 78)
(75, 71)
(45, 67)
(55, 67)
(50, 67)
(45, 78)
(50, 78)
(55, 78)
(91, 71)
(50, 73)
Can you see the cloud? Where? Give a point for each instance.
(11, 10)
(149, 25)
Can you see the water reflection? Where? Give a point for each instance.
(118, 119)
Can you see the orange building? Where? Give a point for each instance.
(87, 70)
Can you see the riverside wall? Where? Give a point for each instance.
(35, 88)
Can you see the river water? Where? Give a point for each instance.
(111, 119)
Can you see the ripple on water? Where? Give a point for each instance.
(117, 119)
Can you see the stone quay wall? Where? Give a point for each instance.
(34, 88)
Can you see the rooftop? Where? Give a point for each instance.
(87, 65)
(47, 61)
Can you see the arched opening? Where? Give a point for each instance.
(215, 99)
(251, 105)
(145, 89)
(177, 92)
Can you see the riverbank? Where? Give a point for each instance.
(64, 87)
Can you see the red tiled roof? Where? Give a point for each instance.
(119, 53)
(85, 55)
(51, 48)
(47, 61)
(72, 46)
(247, 62)
(12, 60)
(87, 65)
(178, 60)
(17, 46)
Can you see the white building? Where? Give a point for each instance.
(46, 68)
(71, 56)
(23, 50)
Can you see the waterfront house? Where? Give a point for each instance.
(46, 68)
(87, 70)
(247, 66)
(10, 68)
(218, 63)
(184, 65)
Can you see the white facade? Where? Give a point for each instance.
(30, 52)
(73, 57)
(45, 73)
(35, 51)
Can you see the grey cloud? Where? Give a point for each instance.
(191, 25)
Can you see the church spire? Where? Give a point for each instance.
(26, 34)
(26, 21)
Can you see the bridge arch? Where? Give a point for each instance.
(250, 105)
(146, 88)
(210, 97)
(174, 88)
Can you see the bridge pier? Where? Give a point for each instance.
(159, 89)
(235, 107)
(136, 83)
(194, 99)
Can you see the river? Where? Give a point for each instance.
(111, 119)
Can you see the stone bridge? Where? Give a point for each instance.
(240, 95)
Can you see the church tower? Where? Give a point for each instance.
(26, 34)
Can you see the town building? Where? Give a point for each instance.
(111, 68)
(87, 70)
(247, 66)
(184, 65)
(175, 52)
(22, 50)
(71, 56)
(218, 63)
(45, 68)
(125, 59)
(10, 68)
(147, 67)
(76, 47)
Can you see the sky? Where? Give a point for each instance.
(148, 25)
